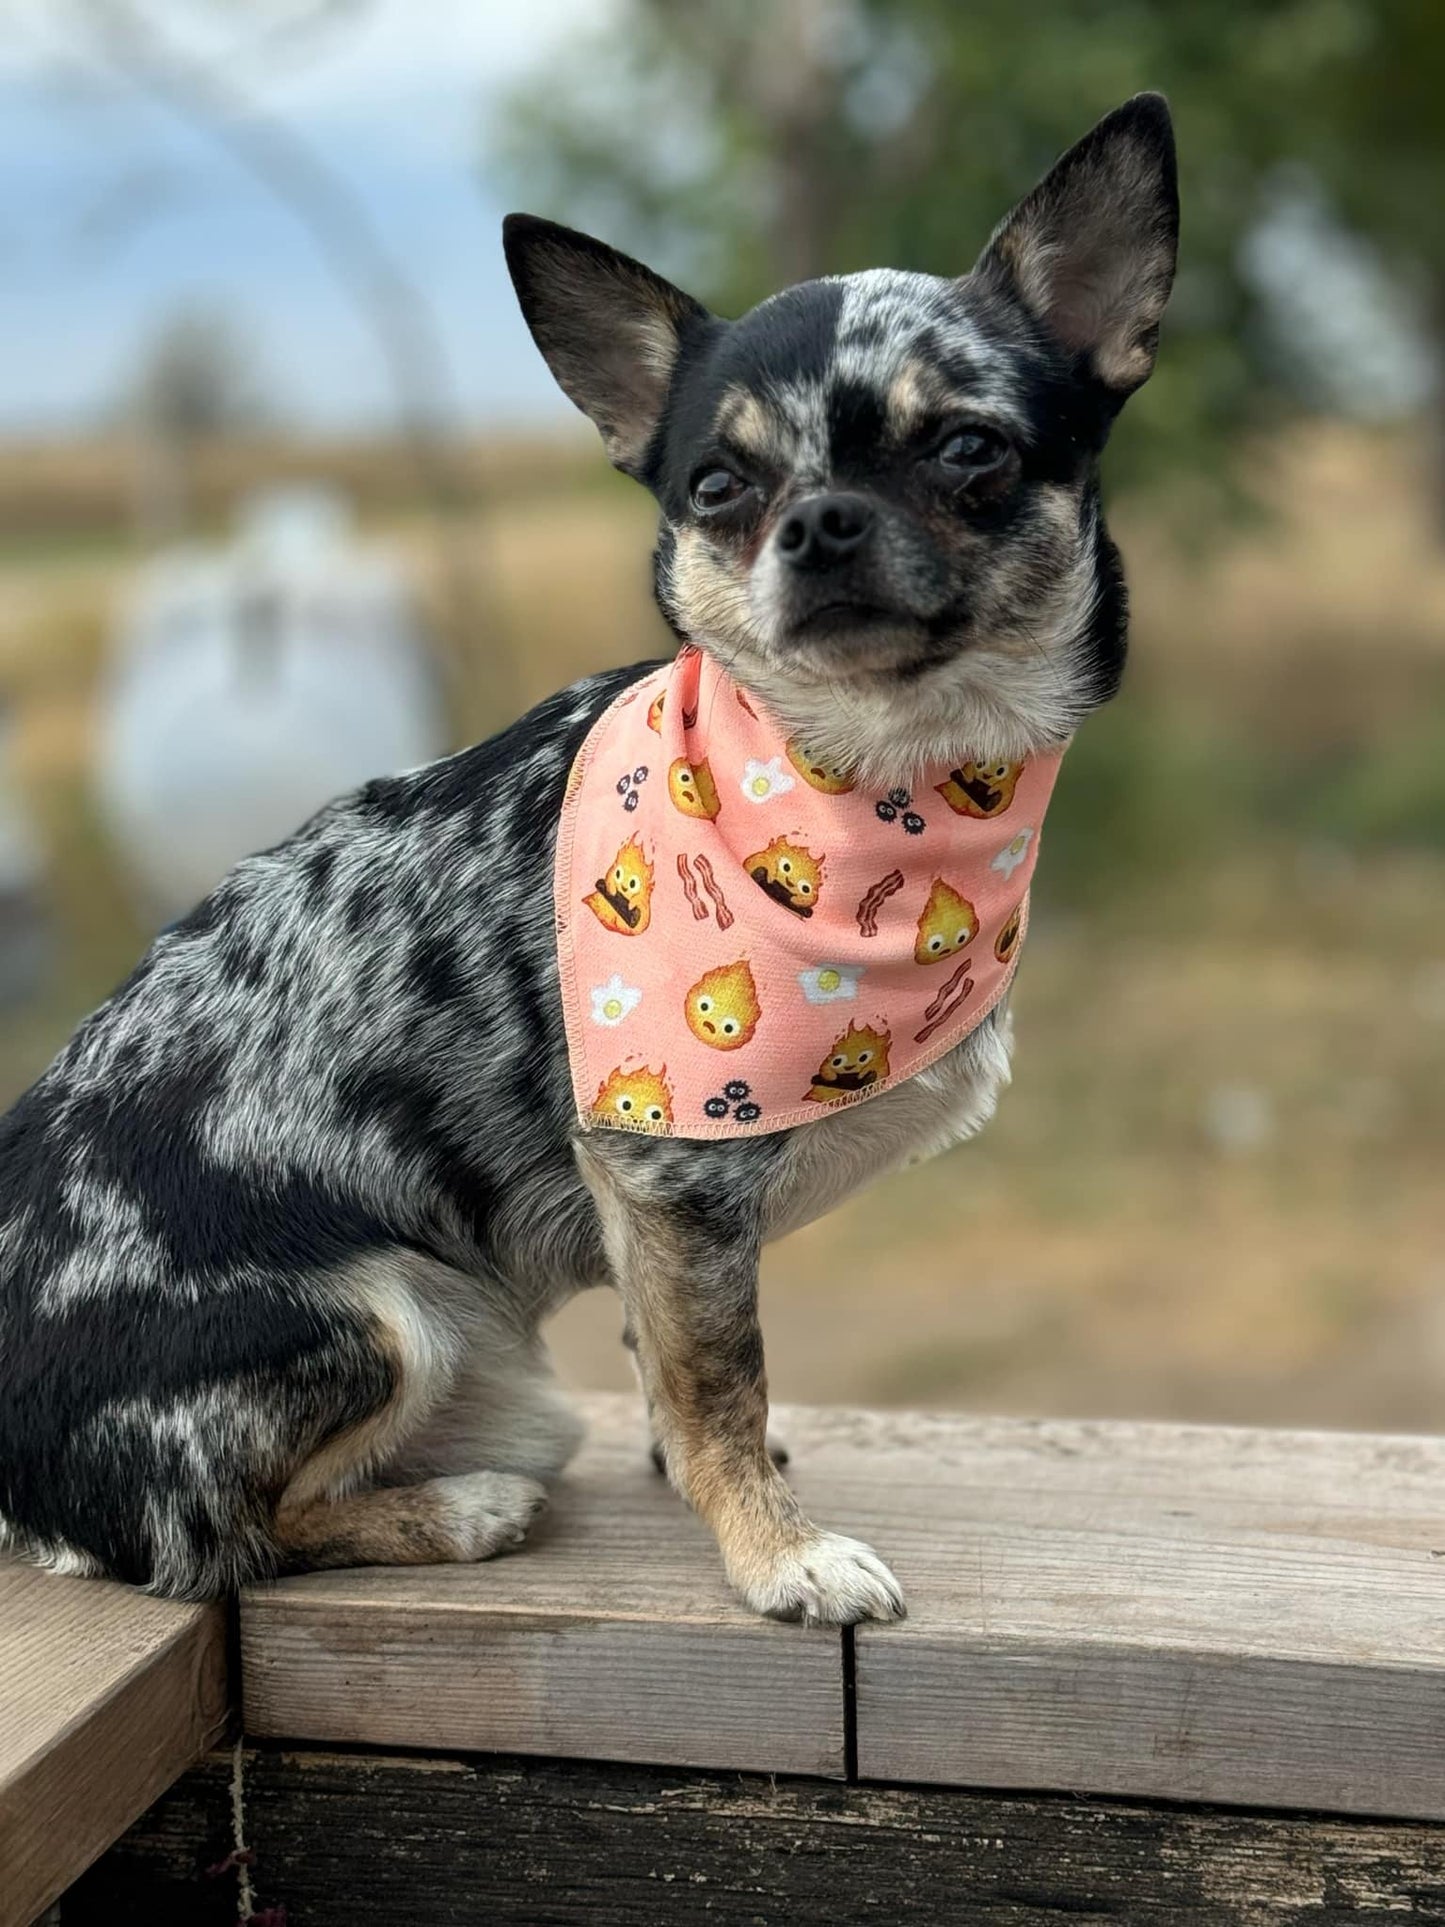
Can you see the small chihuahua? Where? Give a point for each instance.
(279, 1227)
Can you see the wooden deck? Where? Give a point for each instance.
(1154, 1611)
(1145, 1613)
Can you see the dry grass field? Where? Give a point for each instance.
(1215, 1188)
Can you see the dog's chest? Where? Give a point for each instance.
(939, 1107)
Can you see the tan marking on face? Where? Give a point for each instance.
(912, 397)
(710, 590)
(1057, 503)
(747, 420)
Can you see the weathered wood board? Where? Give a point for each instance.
(1185, 1613)
(105, 1696)
(612, 1635)
(1150, 1611)
(368, 1842)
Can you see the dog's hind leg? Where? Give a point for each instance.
(240, 1432)
(420, 1505)
(504, 1413)
(439, 1522)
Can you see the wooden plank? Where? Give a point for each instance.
(1151, 1611)
(351, 1842)
(612, 1635)
(1184, 1613)
(105, 1696)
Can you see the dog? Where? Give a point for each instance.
(279, 1227)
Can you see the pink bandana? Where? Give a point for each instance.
(748, 940)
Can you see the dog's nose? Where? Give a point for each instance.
(824, 530)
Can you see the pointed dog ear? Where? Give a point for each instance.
(608, 328)
(1090, 252)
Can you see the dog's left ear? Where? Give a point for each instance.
(1090, 253)
(609, 329)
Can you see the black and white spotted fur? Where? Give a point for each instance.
(278, 1227)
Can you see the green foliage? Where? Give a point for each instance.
(1147, 798)
(1380, 795)
(1154, 801)
(742, 145)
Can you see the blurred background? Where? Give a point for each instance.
(287, 498)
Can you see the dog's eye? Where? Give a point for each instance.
(715, 488)
(972, 450)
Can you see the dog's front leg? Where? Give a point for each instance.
(687, 1269)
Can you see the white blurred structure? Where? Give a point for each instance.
(251, 684)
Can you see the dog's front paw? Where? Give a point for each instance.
(827, 1581)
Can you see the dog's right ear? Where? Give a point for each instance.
(1090, 253)
(608, 328)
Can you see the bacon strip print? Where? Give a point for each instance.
(948, 989)
(689, 886)
(725, 918)
(941, 1009)
(867, 911)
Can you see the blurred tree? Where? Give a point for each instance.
(198, 378)
(750, 142)
(1376, 137)
(196, 383)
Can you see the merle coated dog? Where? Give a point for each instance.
(279, 1226)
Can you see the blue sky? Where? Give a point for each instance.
(396, 104)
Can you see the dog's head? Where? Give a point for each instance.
(879, 491)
